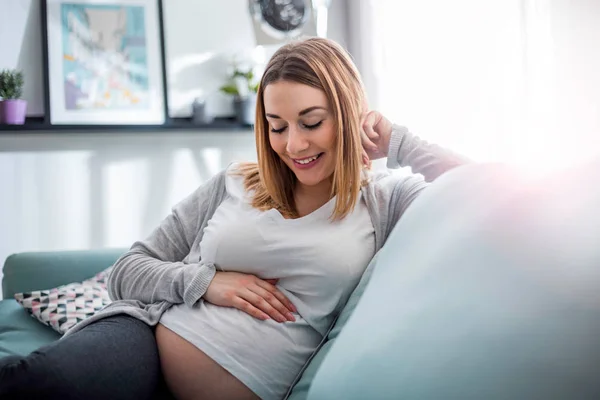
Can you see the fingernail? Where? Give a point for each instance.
(290, 317)
(293, 307)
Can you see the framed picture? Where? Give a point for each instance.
(104, 62)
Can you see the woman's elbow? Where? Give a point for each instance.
(114, 281)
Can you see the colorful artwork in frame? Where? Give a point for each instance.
(104, 62)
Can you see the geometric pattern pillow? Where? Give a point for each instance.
(64, 306)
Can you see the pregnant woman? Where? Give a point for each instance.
(233, 292)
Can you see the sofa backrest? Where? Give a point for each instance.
(44, 270)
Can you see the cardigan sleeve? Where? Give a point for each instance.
(153, 269)
(430, 160)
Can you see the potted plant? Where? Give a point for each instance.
(12, 107)
(242, 87)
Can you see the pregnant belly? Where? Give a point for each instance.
(191, 374)
(265, 356)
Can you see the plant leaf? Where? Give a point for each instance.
(11, 84)
(230, 88)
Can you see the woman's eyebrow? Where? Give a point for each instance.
(301, 113)
(309, 109)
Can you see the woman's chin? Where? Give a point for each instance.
(306, 179)
(309, 182)
(310, 176)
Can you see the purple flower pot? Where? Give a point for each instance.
(12, 112)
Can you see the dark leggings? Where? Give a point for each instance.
(113, 358)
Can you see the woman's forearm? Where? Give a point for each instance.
(430, 160)
(139, 276)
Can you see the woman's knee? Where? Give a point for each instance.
(124, 350)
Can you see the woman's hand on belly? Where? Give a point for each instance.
(248, 293)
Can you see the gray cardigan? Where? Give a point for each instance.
(166, 268)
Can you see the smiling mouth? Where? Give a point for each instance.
(307, 160)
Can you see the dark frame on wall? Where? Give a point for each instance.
(104, 62)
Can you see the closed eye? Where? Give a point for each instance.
(309, 127)
(315, 126)
(278, 130)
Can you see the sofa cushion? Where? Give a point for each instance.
(20, 334)
(64, 306)
(486, 289)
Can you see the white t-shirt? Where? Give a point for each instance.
(318, 264)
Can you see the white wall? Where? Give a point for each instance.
(88, 190)
(576, 32)
(20, 46)
(513, 80)
(200, 46)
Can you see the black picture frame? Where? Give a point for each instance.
(49, 60)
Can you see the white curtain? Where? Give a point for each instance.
(498, 80)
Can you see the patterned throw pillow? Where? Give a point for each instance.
(62, 307)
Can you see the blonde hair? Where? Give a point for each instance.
(325, 65)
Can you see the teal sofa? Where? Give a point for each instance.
(511, 312)
(20, 334)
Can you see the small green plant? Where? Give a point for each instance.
(241, 84)
(11, 84)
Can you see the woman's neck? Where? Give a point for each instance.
(311, 198)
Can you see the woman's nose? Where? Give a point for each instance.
(297, 142)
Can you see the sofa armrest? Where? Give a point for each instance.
(45, 270)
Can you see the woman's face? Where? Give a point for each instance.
(302, 131)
